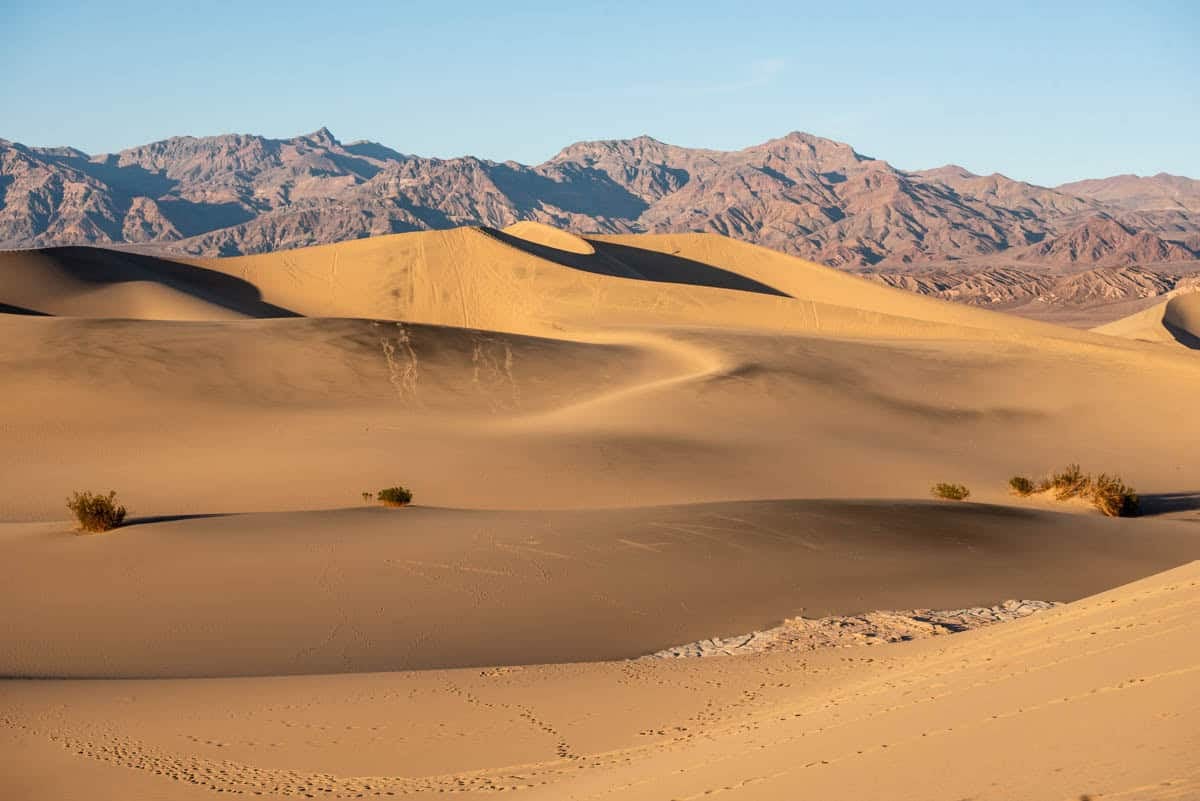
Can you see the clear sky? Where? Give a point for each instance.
(1046, 92)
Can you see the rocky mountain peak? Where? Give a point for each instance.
(322, 137)
(801, 193)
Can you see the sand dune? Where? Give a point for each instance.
(551, 237)
(94, 282)
(305, 414)
(1093, 699)
(578, 384)
(376, 589)
(599, 432)
(1175, 321)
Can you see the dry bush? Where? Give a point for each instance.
(366, 496)
(1113, 498)
(1021, 485)
(950, 492)
(96, 512)
(1070, 483)
(394, 496)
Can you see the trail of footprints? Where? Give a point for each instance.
(561, 747)
(915, 683)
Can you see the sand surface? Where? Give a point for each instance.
(501, 373)
(618, 445)
(380, 589)
(1096, 698)
(1174, 321)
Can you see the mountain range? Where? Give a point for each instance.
(801, 194)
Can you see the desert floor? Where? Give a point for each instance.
(617, 445)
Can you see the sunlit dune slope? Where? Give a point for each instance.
(529, 279)
(1096, 699)
(516, 370)
(550, 237)
(1175, 321)
(535, 279)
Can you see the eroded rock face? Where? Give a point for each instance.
(872, 628)
(1009, 288)
(812, 197)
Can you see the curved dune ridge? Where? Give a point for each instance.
(549, 236)
(1175, 321)
(617, 444)
(94, 282)
(537, 280)
(1182, 314)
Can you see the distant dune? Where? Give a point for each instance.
(1176, 320)
(617, 444)
(495, 371)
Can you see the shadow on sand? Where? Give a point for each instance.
(141, 521)
(1182, 336)
(1167, 502)
(103, 266)
(8, 308)
(630, 262)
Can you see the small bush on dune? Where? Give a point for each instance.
(1021, 485)
(395, 496)
(1113, 498)
(950, 492)
(1070, 483)
(1107, 493)
(366, 496)
(96, 512)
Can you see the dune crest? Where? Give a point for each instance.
(548, 235)
(1175, 321)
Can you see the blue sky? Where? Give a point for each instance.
(1046, 92)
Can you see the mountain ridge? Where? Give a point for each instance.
(803, 194)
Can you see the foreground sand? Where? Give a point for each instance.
(1096, 698)
(618, 444)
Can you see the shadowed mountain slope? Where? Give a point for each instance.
(808, 196)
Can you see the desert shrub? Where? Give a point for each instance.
(1113, 498)
(366, 496)
(1070, 483)
(951, 492)
(1021, 485)
(394, 496)
(96, 512)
